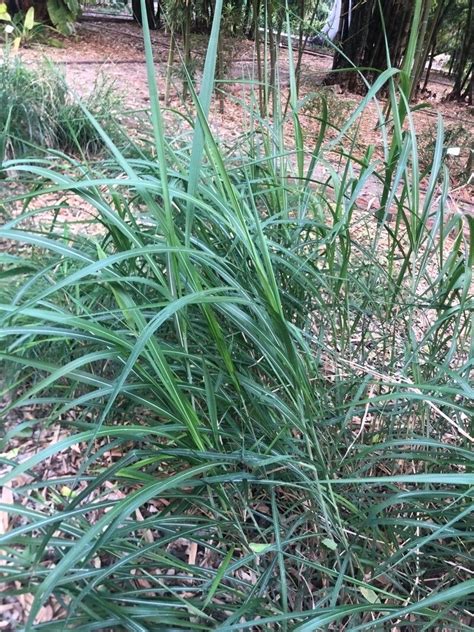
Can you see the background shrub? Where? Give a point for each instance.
(38, 111)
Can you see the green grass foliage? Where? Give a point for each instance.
(37, 110)
(269, 389)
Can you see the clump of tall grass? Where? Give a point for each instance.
(39, 112)
(269, 390)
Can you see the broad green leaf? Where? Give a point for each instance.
(329, 544)
(259, 548)
(29, 19)
(369, 594)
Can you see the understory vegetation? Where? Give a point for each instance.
(39, 112)
(258, 384)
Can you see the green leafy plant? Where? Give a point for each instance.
(63, 14)
(37, 109)
(4, 15)
(19, 30)
(325, 100)
(260, 395)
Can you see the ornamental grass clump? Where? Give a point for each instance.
(38, 112)
(256, 394)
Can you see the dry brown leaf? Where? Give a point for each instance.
(192, 553)
(7, 499)
(5, 607)
(25, 599)
(45, 614)
(147, 534)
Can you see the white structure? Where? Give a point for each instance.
(331, 28)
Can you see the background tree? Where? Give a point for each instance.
(449, 32)
(361, 39)
(17, 6)
(370, 31)
(464, 59)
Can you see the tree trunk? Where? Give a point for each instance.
(169, 66)
(150, 13)
(41, 10)
(272, 48)
(187, 45)
(433, 39)
(431, 55)
(465, 54)
(469, 85)
(247, 21)
(258, 48)
(422, 48)
(361, 40)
